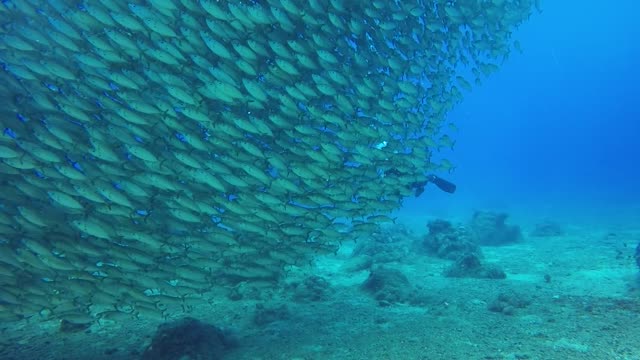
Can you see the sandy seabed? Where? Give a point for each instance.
(589, 309)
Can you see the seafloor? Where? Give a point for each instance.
(588, 307)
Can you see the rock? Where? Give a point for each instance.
(75, 324)
(313, 288)
(493, 272)
(547, 229)
(266, 315)
(489, 228)
(470, 265)
(507, 303)
(448, 242)
(389, 286)
(188, 339)
(380, 252)
(359, 263)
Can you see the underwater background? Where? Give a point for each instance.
(554, 132)
(243, 180)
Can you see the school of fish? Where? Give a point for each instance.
(153, 151)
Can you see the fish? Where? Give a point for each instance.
(159, 150)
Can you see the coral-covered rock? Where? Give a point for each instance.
(547, 229)
(448, 242)
(489, 228)
(267, 314)
(390, 286)
(356, 264)
(385, 246)
(455, 243)
(188, 339)
(507, 303)
(313, 288)
(470, 265)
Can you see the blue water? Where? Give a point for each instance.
(553, 134)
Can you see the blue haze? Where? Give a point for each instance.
(554, 134)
